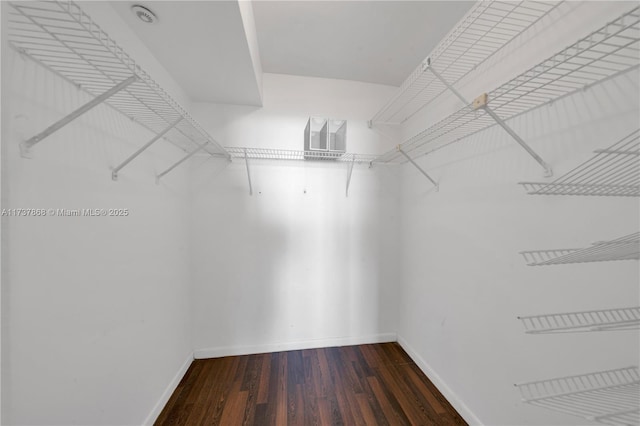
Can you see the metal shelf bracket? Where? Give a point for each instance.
(349, 175)
(114, 172)
(418, 167)
(182, 160)
(482, 102)
(25, 146)
(246, 162)
(429, 66)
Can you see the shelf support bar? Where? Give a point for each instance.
(246, 162)
(445, 82)
(185, 158)
(482, 102)
(114, 172)
(418, 167)
(25, 146)
(353, 159)
(616, 152)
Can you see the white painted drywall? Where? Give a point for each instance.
(97, 318)
(464, 281)
(297, 264)
(3, 119)
(249, 25)
(96, 310)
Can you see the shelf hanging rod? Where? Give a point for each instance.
(25, 146)
(114, 172)
(353, 159)
(418, 167)
(428, 66)
(246, 162)
(185, 158)
(481, 102)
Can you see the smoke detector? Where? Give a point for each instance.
(144, 14)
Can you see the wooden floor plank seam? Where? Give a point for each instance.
(376, 384)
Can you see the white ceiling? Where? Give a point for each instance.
(203, 45)
(370, 41)
(208, 46)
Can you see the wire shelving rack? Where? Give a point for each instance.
(614, 172)
(600, 320)
(483, 31)
(623, 248)
(291, 155)
(609, 397)
(610, 51)
(284, 154)
(64, 39)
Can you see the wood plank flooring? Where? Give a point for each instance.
(353, 385)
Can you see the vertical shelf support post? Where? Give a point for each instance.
(114, 172)
(246, 162)
(353, 159)
(185, 158)
(25, 146)
(418, 167)
(482, 102)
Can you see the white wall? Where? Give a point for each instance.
(98, 316)
(297, 264)
(96, 310)
(464, 281)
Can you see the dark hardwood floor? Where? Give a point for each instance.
(353, 385)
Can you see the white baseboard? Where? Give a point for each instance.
(157, 409)
(445, 390)
(292, 346)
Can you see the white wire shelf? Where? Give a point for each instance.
(483, 31)
(570, 322)
(605, 53)
(614, 172)
(608, 397)
(283, 154)
(63, 38)
(623, 248)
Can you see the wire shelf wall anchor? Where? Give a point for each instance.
(608, 397)
(623, 248)
(61, 37)
(610, 51)
(570, 322)
(483, 31)
(612, 172)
